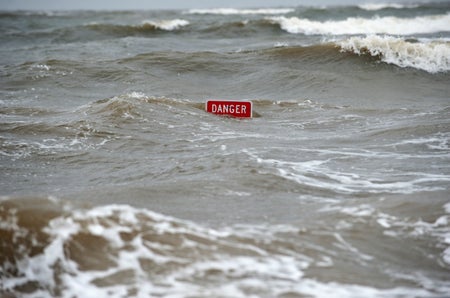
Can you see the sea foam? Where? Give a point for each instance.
(430, 55)
(234, 11)
(358, 25)
(380, 6)
(168, 25)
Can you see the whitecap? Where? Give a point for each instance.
(431, 56)
(168, 25)
(234, 11)
(380, 6)
(358, 25)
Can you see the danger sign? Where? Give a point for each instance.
(241, 109)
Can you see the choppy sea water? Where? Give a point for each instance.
(116, 183)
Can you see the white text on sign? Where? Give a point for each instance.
(241, 109)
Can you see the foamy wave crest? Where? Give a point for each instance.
(52, 249)
(378, 25)
(120, 251)
(431, 56)
(234, 11)
(168, 25)
(380, 6)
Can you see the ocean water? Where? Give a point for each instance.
(115, 182)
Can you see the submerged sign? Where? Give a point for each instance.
(234, 108)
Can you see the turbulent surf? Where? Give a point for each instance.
(115, 182)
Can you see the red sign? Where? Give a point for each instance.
(234, 108)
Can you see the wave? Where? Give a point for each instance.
(89, 127)
(131, 106)
(381, 6)
(146, 27)
(307, 21)
(234, 11)
(431, 56)
(36, 13)
(168, 25)
(318, 174)
(358, 25)
(118, 250)
(54, 249)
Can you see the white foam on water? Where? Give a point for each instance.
(359, 211)
(439, 141)
(318, 174)
(431, 56)
(395, 226)
(281, 45)
(151, 242)
(358, 25)
(439, 229)
(380, 6)
(168, 25)
(445, 222)
(41, 67)
(184, 259)
(316, 288)
(235, 11)
(24, 148)
(137, 95)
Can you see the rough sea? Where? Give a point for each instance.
(115, 182)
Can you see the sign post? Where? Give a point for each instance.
(233, 108)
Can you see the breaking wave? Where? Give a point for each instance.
(381, 6)
(53, 249)
(234, 11)
(146, 27)
(358, 25)
(431, 56)
(167, 25)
